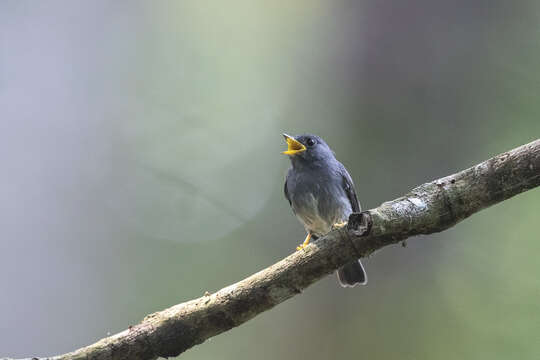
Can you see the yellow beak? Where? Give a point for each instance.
(293, 146)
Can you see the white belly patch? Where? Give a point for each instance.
(311, 218)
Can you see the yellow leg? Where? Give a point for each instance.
(305, 243)
(339, 225)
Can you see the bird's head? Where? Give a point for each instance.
(307, 149)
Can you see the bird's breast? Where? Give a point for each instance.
(318, 207)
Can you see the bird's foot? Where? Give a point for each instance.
(304, 244)
(300, 247)
(339, 225)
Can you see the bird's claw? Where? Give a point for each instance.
(305, 243)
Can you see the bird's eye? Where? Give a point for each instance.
(310, 142)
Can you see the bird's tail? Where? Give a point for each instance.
(351, 274)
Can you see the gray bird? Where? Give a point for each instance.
(321, 194)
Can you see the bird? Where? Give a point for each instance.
(321, 194)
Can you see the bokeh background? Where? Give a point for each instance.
(140, 167)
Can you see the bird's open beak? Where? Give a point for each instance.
(293, 146)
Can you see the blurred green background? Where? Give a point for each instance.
(140, 154)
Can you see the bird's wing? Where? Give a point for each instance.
(348, 186)
(285, 190)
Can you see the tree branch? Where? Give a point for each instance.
(429, 208)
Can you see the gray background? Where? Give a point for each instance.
(140, 167)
